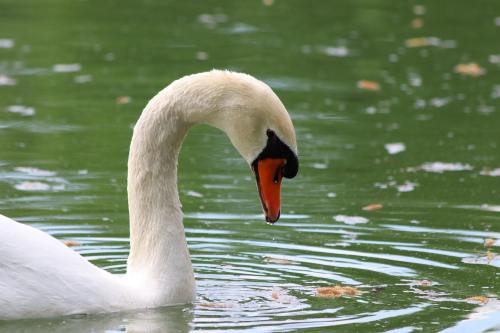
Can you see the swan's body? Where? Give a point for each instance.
(41, 277)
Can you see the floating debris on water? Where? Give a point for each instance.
(440, 167)
(423, 283)
(439, 102)
(202, 55)
(321, 166)
(82, 78)
(477, 300)
(7, 81)
(6, 43)
(494, 58)
(429, 41)
(121, 100)
(471, 69)
(491, 173)
(489, 242)
(373, 207)
(395, 148)
(419, 10)
(267, 2)
(331, 194)
(406, 187)
(350, 219)
(71, 243)
(194, 194)
(417, 23)
(21, 109)
(335, 51)
(211, 21)
(66, 68)
(337, 291)
(368, 85)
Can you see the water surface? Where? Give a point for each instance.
(394, 103)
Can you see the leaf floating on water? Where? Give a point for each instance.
(121, 100)
(368, 85)
(417, 23)
(373, 207)
(71, 243)
(489, 242)
(337, 291)
(422, 41)
(471, 69)
(477, 300)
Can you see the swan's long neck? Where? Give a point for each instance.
(236, 103)
(158, 251)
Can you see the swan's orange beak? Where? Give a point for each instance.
(269, 173)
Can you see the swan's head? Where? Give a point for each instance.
(260, 128)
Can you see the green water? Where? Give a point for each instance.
(65, 131)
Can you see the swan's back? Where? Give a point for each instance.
(41, 277)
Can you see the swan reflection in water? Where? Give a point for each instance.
(178, 319)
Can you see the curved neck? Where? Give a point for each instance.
(235, 103)
(158, 249)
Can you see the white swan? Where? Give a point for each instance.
(41, 277)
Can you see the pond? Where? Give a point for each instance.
(395, 104)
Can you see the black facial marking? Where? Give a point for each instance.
(275, 148)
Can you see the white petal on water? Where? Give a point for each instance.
(319, 165)
(340, 51)
(66, 68)
(350, 219)
(406, 187)
(494, 58)
(195, 194)
(7, 81)
(394, 148)
(439, 102)
(440, 167)
(21, 109)
(83, 78)
(492, 173)
(6, 43)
